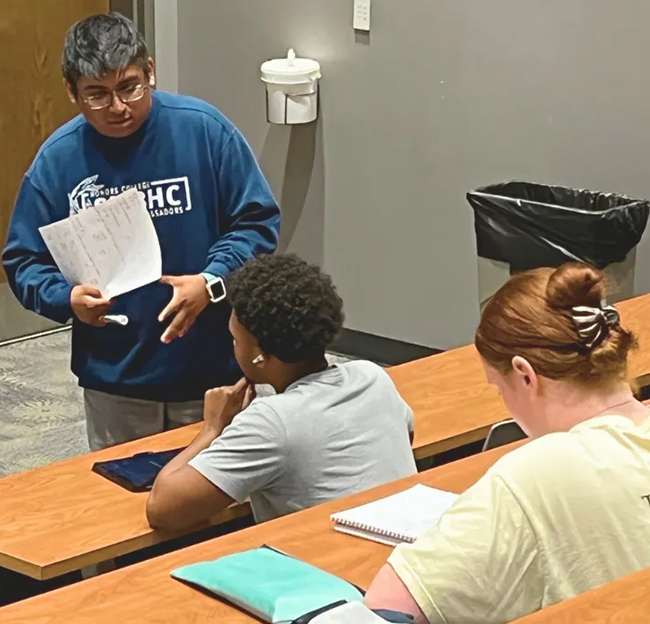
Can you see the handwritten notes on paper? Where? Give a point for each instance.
(113, 246)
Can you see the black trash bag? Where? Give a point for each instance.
(533, 225)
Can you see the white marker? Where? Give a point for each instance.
(117, 319)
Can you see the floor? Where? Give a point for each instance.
(41, 406)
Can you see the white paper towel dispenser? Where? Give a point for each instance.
(291, 89)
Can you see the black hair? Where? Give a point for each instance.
(101, 44)
(290, 306)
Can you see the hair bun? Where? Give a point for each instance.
(575, 284)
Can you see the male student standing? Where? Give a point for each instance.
(212, 210)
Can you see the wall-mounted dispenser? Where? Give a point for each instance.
(291, 89)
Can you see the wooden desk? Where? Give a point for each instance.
(625, 601)
(146, 593)
(54, 520)
(451, 400)
(635, 315)
(453, 403)
(65, 517)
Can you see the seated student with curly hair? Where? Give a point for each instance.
(329, 431)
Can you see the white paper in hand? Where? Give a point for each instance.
(113, 246)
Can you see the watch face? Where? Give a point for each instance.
(217, 290)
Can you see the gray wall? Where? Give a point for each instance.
(166, 44)
(443, 96)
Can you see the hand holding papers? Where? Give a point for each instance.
(113, 246)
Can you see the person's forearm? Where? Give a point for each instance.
(207, 436)
(40, 288)
(182, 497)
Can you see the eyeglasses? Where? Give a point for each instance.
(126, 95)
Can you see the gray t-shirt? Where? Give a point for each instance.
(330, 434)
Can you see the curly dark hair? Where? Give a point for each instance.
(290, 306)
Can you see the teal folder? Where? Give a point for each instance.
(269, 584)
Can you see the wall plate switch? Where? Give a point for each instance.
(361, 18)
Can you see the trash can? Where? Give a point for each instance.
(522, 225)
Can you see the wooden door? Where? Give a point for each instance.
(33, 103)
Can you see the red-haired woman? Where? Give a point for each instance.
(569, 510)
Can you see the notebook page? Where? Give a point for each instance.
(406, 515)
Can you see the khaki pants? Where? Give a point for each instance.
(112, 419)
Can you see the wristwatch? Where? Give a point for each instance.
(216, 288)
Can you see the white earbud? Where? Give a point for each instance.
(259, 359)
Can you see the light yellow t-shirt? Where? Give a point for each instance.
(561, 515)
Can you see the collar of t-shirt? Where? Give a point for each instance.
(331, 375)
(608, 421)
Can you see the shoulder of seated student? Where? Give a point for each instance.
(379, 378)
(249, 453)
(260, 415)
(369, 377)
(276, 408)
(365, 367)
(373, 374)
(551, 463)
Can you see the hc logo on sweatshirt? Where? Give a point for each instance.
(162, 197)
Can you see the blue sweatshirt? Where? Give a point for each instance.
(212, 210)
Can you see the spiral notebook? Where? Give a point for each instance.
(402, 517)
